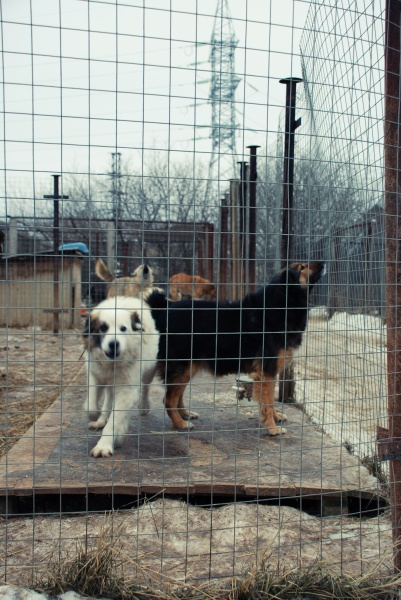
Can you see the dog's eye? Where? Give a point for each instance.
(123, 328)
(103, 327)
(135, 322)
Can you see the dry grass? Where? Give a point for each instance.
(317, 581)
(103, 569)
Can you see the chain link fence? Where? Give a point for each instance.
(169, 163)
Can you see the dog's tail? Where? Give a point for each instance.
(102, 271)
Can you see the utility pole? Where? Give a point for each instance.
(116, 195)
(56, 243)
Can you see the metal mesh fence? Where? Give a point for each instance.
(157, 138)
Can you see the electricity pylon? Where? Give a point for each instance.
(224, 81)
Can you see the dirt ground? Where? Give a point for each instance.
(178, 541)
(340, 380)
(34, 366)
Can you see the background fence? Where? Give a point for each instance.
(171, 132)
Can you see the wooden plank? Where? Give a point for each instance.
(36, 446)
(227, 454)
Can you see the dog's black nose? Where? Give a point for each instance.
(114, 349)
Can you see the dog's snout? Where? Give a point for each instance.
(113, 349)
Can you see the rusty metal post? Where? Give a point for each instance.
(392, 211)
(209, 231)
(243, 224)
(242, 189)
(223, 253)
(253, 176)
(56, 243)
(288, 171)
(234, 227)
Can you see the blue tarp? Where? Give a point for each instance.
(79, 246)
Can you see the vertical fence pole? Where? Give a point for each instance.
(392, 161)
(253, 175)
(286, 378)
(288, 171)
(223, 253)
(56, 243)
(243, 224)
(234, 227)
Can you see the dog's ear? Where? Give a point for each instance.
(91, 326)
(286, 276)
(136, 322)
(292, 276)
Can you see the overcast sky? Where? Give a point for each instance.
(84, 79)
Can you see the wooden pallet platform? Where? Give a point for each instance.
(226, 455)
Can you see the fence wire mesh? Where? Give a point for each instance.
(152, 142)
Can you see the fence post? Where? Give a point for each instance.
(111, 246)
(288, 172)
(223, 249)
(243, 225)
(287, 381)
(13, 236)
(234, 227)
(253, 176)
(392, 161)
(56, 242)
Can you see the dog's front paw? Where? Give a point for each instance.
(187, 415)
(184, 426)
(93, 415)
(99, 424)
(276, 430)
(102, 450)
(278, 416)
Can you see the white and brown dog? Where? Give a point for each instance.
(121, 344)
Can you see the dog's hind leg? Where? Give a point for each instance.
(147, 378)
(284, 363)
(264, 394)
(91, 404)
(184, 412)
(174, 403)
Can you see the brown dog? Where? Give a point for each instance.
(182, 285)
(140, 282)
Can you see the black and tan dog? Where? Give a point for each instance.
(256, 335)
